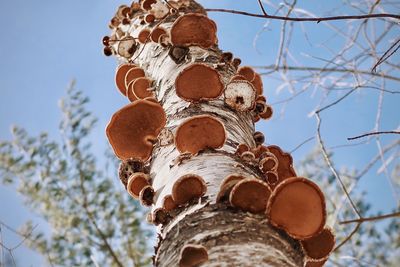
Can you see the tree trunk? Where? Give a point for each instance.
(231, 237)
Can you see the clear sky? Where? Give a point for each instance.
(45, 44)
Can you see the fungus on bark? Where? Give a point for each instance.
(259, 150)
(160, 216)
(238, 78)
(250, 195)
(241, 148)
(236, 62)
(268, 162)
(258, 84)
(149, 18)
(169, 203)
(248, 156)
(259, 138)
(141, 88)
(146, 195)
(285, 162)
(136, 183)
(271, 177)
(226, 186)
(143, 36)
(267, 113)
(198, 82)
(156, 33)
(132, 75)
(120, 74)
(133, 129)
(127, 47)
(320, 246)
(194, 29)
(127, 168)
(192, 255)
(159, 10)
(198, 133)
(178, 53)
(247, 72)
(297, 205)
(240, 95)
(315, 263)
(146, 4)
(187, 188)
(129, 92)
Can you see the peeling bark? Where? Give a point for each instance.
(232, 237)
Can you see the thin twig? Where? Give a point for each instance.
(348, 237)
(302, 143)
(318, 19)
(262, 8)
(373, 133)
(387, 54)
(374, 218)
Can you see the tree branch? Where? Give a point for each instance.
(373, 133)
(386, 55)
(374, 218)
(318, 19)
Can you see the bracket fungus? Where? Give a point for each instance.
(169, 203)
(120, 74)
(241, 148)
(258, 84)
(240, 95)
(297, 205)
(144, 36)
(268, 162)
(192, 255)
(132, 75)
(194, 29)
(187, 188)
(198, 82)
(133, 129)
(320, 246)
(127, 47)
(141, 88)
(259, 138)
(250, 195)
(127, 168)
(146, 195)
(198, 133)
(178, 53)
(136, 183)
(247, 72)
(146, 4)
(285, 163)
(271, 177)
(156, 33)
(226, 186)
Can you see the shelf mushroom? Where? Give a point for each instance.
(198, 133)
(240, 95)
(226, 186)
(136, 183)
(133, 129)
(194, 29)
(120, 74)
(198, 82)
(318, 248)
(285, 163)
(127, 168)
(250, 195)
(187, 188)
(297, 206)
(193, 255)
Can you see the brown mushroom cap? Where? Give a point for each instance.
(169, 203)
(240, 95)
(257, 83)
(285, 162)
(141, 88)
(226, 186)
(146, 4)
(178, 54)
(127, 168)
(259, 150)
(132, 75)
(267, 113)
(297, 205)
(238, 77)
(198, 82)
(198, 133)
(193, 255)
(136, 183)
(241, 148)
(120, 74)
(194, 29)
(247, 72)
(156, 33)
(315, 263)
(271, 177)
(146, 195)
(188, 187)
(250, 195)
(129, 92)
(127, 47)
(318, 247)
(149, 18)
(160, 216)
(133, 129)
(268, 162)
(143, 36)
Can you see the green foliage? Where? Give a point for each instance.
(93, 221)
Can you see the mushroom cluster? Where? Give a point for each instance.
(291, 203)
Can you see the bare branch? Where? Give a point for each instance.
(348, 237)
(262, 8)
(387, 54)
(373, 133)
(318, 19)
(374, 218)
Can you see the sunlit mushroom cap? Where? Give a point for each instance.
(187, 188)
(194, 29)
(240, 95)
(156, 33)
(297, 205)
(132, 75)
(193, 255)
(226, 186)
(120, 76)
(285, 162)
(320, 246)
(141, 88)
(198, 82)
(136, 183)
(258, 84)
(143, 36)
(134, 128)
(198, 133)
(247, 72)
(146, 195)
(169, 203)
(250, 195)
(146, 4)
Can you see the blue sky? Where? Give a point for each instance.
(45, 44)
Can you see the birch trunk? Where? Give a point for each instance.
(232, 237)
